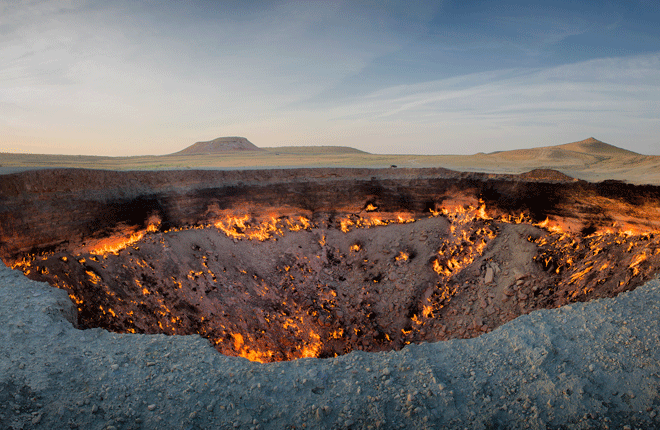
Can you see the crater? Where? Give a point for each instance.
(284, 264)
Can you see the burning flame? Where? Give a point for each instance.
(639, 258)
(304, 224)
(93, 277)
(481, 212)
(250, 354)
(239, 228)
(115, 244)
(427, 310)
(354, 221)
(403, 256)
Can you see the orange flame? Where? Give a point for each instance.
(636, 261)
(114, 245)
(426, 310)
(402, 256)
(481, 213)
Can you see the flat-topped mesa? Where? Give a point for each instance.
(219, 145)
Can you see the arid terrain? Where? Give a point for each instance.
(339, 273)
(590, 159)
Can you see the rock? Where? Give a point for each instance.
(151, 407)
(489, 275)
(520, 275)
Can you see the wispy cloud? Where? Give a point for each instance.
(614, 97)
(83, 68)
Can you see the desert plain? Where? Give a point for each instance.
(588, 159)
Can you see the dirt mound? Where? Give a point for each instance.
(219, 145)
(546, 175)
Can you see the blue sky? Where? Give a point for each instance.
(449, 77)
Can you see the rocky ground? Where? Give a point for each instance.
(585, 365)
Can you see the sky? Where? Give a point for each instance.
(147, 77)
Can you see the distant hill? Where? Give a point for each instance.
(585, 151)
(219, 145)
(595, 147)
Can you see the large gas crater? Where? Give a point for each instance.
(276, 265)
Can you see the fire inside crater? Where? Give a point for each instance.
(320, 285)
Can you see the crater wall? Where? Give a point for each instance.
(282, 264)
(64, 208)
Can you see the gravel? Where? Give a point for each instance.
(583, 366)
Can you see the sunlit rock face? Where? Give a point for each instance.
(276, 265)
